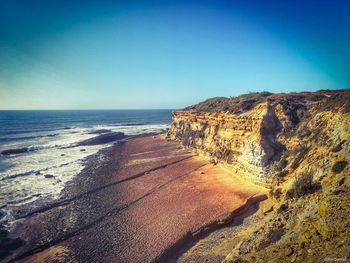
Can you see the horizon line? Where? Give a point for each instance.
(82, 109)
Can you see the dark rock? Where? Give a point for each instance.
(3, 234)
(83, 150)
(62, 154)
(49, 176)
(14, 151)
(2, 214)
(38, 173)
(102, 139)
(7, 244)
(4, 254)
(12, 244)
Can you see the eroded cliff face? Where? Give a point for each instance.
(241, 143)
(251, 143)
(296, 144)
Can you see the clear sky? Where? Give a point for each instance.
(167, 54)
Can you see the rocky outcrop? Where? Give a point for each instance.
(250, 140)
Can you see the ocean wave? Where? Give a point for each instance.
(134, 124)
(130, 125)
(26, 199)
(127, 124)
(36, 172)
(99, 131)
(32, 148)
(24, 131)
(27, 137)
(67, 141)
(5, 131)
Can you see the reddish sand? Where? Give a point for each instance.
(166, 193)
(186, 195)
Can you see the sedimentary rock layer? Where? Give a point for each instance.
(250, 142)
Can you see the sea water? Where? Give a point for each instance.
(49, 160)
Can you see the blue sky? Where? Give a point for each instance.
(167, 54)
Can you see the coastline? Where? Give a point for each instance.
(141, 200)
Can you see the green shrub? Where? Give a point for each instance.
(281, 164)
(299, 158)
(300, 185)
(338, 147)
(235, 105)
(276, 193)
(282, 173)
(339, 166)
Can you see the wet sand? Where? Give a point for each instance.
(138, 201)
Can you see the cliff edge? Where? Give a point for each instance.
(298, 146)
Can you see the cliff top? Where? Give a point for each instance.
(330, 99)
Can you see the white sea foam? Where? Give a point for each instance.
(24, 180)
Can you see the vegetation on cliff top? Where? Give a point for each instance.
(331, 100)
(233, 104)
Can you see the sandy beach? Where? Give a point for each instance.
(139, 201)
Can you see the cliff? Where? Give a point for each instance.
(297, 145)
(258, 135)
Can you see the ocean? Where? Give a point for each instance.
(48, 159)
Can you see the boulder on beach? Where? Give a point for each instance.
(102, 139)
